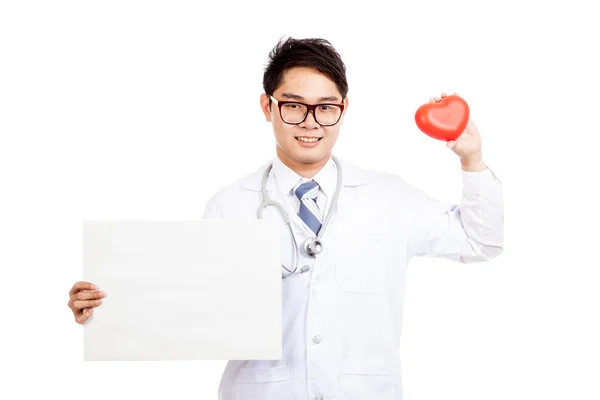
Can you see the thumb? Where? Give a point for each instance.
(450, 144)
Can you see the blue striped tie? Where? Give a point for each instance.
(309, 210)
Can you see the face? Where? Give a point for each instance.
(309, 86)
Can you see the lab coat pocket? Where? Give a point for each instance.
(264, 383)
(360, 264)
(361, 380)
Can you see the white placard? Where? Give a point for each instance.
(183, 290)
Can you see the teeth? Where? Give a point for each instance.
(308, 140)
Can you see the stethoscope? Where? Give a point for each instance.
(314, 245)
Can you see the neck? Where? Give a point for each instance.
(303, 169)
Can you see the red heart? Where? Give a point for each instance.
(444, 120)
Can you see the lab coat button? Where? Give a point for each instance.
(318, 397)
(317, 339)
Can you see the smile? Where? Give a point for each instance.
(308, 139)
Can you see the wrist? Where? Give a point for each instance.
(473, 163)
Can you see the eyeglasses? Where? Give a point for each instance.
(294, 113)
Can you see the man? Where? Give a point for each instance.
(342, 310)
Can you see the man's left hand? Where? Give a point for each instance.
(467, 146)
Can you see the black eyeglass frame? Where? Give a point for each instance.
(309, 108)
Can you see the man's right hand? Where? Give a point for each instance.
(80, 300)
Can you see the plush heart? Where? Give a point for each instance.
(444, 120)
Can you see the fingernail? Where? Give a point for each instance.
(102, 294)
(98, 301)
(94, 287)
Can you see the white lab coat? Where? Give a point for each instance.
(342, 319)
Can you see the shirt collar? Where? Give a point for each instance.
(287, 178)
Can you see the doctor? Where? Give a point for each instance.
(342, 309)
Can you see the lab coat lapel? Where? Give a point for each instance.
(352, 179)
(254, 180)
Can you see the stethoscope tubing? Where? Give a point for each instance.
(309, 247)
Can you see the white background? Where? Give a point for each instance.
(123, 110)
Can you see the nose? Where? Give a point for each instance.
(310, 122)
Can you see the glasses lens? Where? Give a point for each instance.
(327, 115)
(293, 112)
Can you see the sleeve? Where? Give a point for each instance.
(472, 231)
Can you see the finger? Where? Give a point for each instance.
(470, 126)
(431, 100)
(82, 285)
(85, 296)
(437, 98)
(78, 304)
(443, 94)
(450, 144)
(89, 295)
(84, 316)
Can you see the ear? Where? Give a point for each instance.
(345, 109)
(264, 105)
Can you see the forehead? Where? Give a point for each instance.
(308, 83)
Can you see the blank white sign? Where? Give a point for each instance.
(183, 290)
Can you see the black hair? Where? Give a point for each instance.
(314, 53)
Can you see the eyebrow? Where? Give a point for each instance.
(298, 97)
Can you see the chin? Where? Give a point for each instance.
(305, 155)
(310, 158)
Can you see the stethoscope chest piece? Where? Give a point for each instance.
(313, 247)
